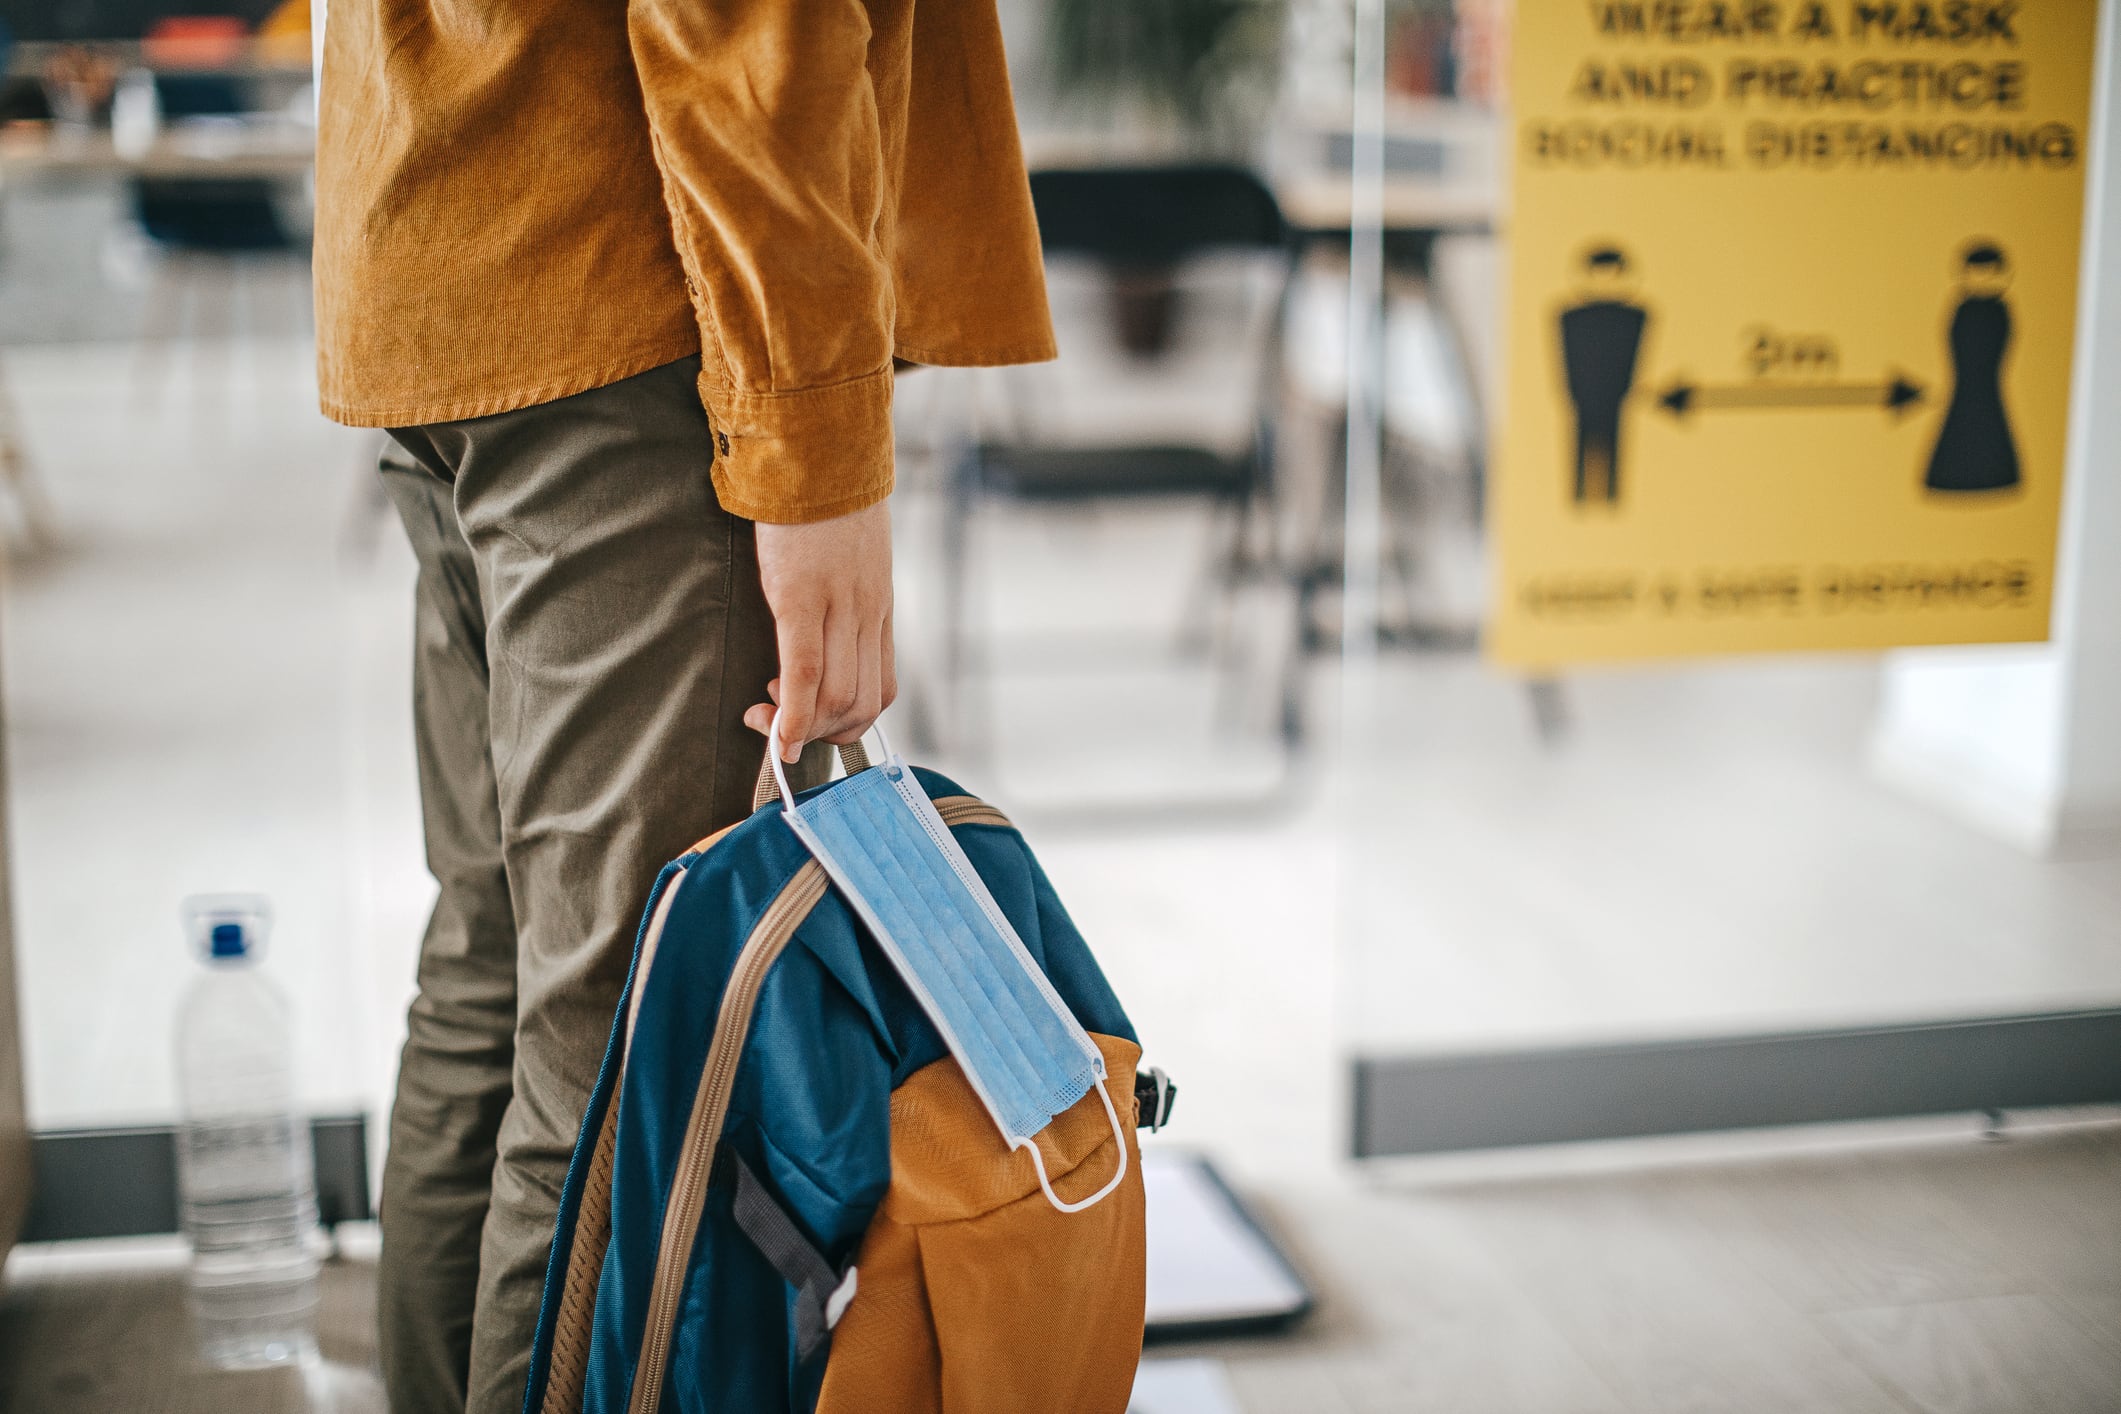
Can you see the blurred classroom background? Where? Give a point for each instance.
(1720, 1033)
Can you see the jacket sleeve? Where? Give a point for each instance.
(764, 119)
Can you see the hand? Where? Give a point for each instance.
(828, 584)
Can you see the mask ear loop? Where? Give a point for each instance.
(780, 772)
(1038, 1160)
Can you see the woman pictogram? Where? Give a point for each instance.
(1975, 451)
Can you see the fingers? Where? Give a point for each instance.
(839, 690)
(876, 678)
(828, 584)
(802, 646)
(889, 654)
(759, 716)
(869, 685)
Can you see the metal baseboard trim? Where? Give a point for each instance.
(1443, 1103)
(123, 1182)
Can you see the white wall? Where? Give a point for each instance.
(2026, 741)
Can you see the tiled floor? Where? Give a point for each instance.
(1939, 1275)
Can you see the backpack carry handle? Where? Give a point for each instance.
(772, 780)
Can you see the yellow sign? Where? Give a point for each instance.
(1792, 294)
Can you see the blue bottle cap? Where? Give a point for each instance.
(228, 940)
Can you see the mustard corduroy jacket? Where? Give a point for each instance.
(522, 199)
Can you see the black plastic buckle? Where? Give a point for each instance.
(1154, 1094)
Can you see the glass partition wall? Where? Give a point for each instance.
(1715, 891)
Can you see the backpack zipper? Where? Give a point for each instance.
(681, 1216)
(710, 1107)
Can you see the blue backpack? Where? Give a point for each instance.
(787, 1197)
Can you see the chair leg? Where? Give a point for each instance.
(1286, 573)
(1459, 344)
(1239, 565)
(1203, 625)
(1268, 570)
(1196, 621)
(1402, 563)
(1322, 565)
(1239, 570)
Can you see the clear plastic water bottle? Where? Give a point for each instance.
(243, 1157)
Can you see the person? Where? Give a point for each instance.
(627, 284)
(1601, 336)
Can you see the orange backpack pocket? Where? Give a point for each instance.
(975, 1295)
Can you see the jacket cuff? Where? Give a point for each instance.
(805, 455)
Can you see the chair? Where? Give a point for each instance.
(1140, 226)
(229, 215)
(204, 228)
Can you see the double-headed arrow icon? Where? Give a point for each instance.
(1896, 395)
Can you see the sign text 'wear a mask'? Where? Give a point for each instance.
(1791, 307)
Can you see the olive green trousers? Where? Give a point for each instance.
(590, 629)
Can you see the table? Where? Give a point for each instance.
(272, 150)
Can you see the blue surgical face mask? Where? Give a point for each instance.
(880, 839)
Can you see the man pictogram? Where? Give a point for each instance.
(1601, 335)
